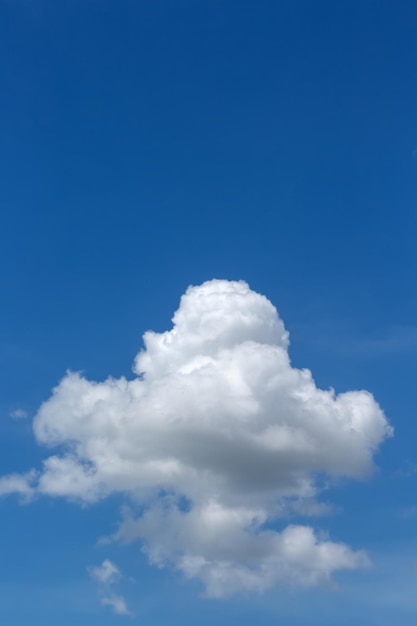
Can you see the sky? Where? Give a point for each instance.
(208, 336)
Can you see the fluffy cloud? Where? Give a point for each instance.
(229, 550)
(215, 436)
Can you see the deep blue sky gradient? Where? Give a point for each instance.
(149, 145)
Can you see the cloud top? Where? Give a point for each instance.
(215, 436)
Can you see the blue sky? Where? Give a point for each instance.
(149, 146)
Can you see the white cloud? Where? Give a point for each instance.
(228, 550)
(117, 603)
(216, 436)
(18, 483)
(106, 573)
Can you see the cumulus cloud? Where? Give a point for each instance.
(229, 550)
(215, 437)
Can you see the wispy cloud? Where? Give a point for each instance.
(18, 414)
(408, 512)
(394, 340)
(117, 603)
(107, 575)
(341, 339)
(21, 484)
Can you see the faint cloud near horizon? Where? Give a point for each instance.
(18, 414)
(398, 339)
(334, 337)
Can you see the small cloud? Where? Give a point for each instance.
(19, 414)
(117, 603)
(21, 484)
(107, 573)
